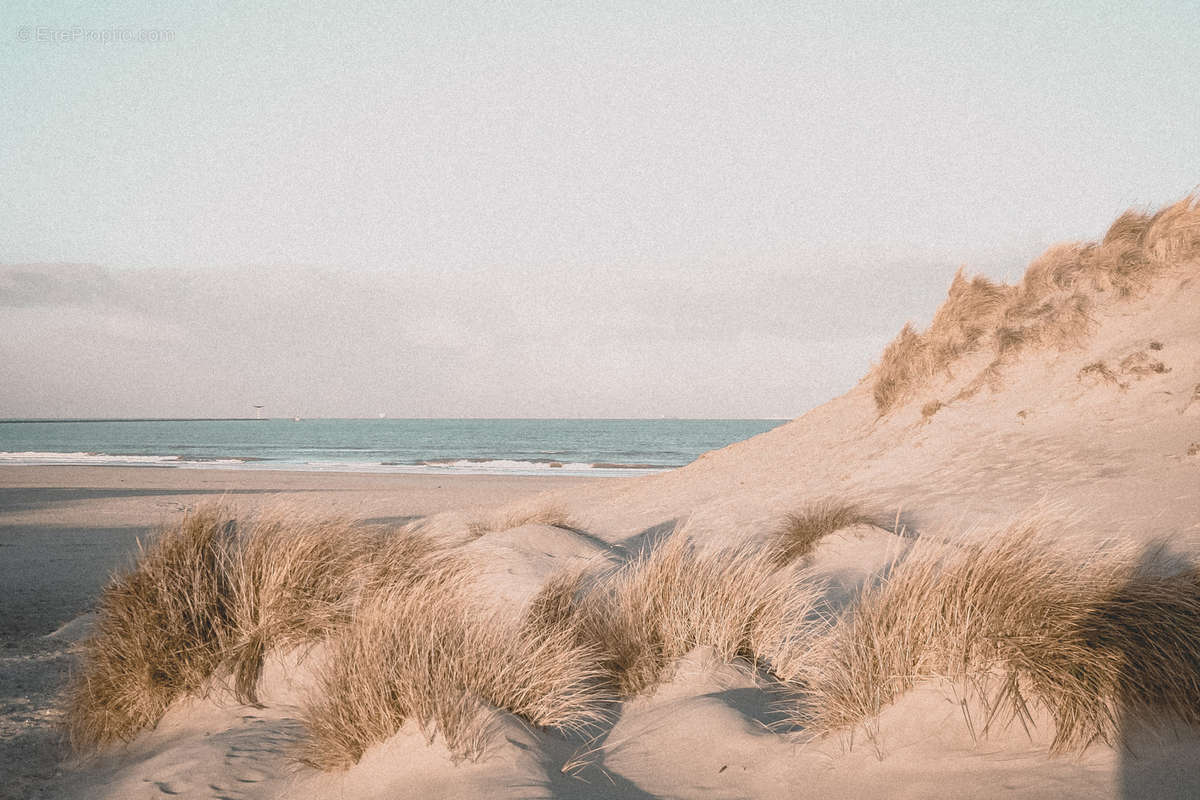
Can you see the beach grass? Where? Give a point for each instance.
(1098, 640)
(1052, 305)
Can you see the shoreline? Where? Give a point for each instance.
(458, 467)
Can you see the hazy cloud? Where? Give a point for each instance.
(86, 340)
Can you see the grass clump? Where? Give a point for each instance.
(159, 634)
(969, 313)
(210, 597)
(1051, 306)
(802, 530)
(432, 652)
(931, 408)
(1101, 373)
(1096, 644)
(646, 614)
(1140, 364)
(552, 515)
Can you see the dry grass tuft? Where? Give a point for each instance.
(552, 515)
(1093, 640)
(931, 408)
(906, 364)
(432, 652)
(159, 634)
(1051, 307)
(210, 596)
(651, 611)
(290, 582)
(802, 530)
(1129, 228)
(912, 359)
(1101, 373)
(1173, 234)
(1140, 364)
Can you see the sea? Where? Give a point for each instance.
(594, 447)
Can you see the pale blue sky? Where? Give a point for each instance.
(627, 170)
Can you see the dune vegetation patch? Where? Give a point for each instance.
(504, 520)
(209, 598)
(431, 651)
(644, 615)
(1097, 641)
(1098, 372)
(802, 530)
(1052, 306)
(1141, 364)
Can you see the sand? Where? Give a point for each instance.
(63, 530)
(1120, 459)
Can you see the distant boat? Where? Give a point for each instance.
(295, 419)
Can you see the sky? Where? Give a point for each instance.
(544, 209)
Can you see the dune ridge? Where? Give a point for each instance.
(1050, 307)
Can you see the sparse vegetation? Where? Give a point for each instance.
(1101, 372)
(514, 518)
(970, 311)
(802, 530)
(931, 408)
(431, 652)
(1093, 643)
(1093, 640)
(646, 614)
(1051, 307)
(1140, 364)
(1136, 365)
(211, 596)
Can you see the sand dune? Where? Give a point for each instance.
(1072, 400)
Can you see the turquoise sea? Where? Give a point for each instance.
(442, 446)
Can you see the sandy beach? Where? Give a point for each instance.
(972, 575)
(599, 401)
(65, 529)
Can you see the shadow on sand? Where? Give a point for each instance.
(1158, 758)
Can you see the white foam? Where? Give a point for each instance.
(477, 467)
(459, 467)
(108, 459)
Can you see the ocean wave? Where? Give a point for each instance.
(458, 466)
(30, 458)
(506, 466)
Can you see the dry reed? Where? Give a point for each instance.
(210, 596)
(1098, 641)
(432, 652)
(1052, 306)
(552, 515)
(651, 611)
(802, 530)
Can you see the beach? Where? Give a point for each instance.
(65, 529)
(971, 575)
